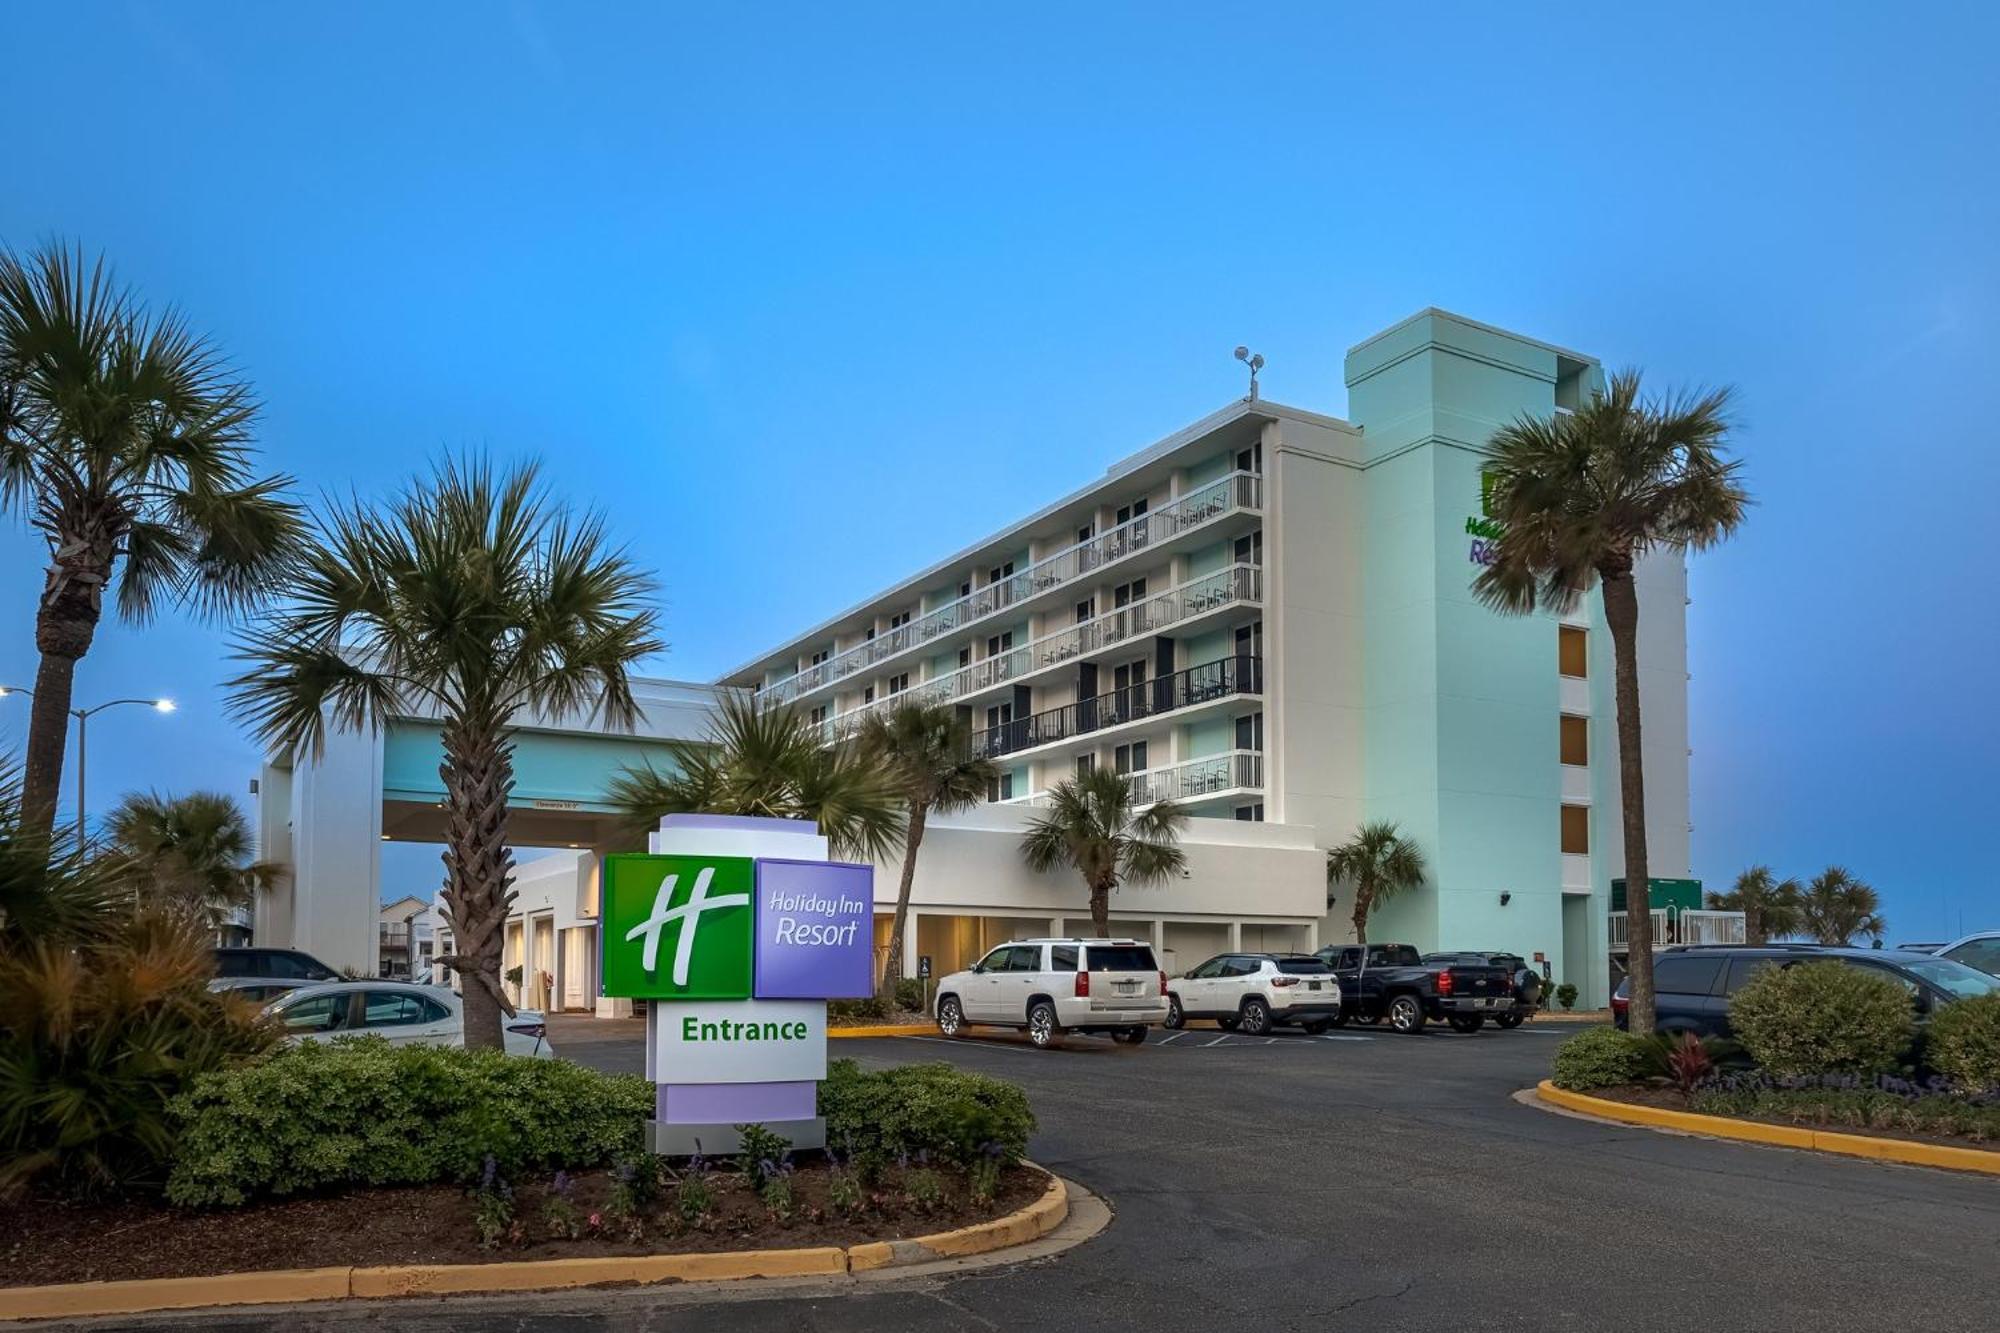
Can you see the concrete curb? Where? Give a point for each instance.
(1782, 1136)
(885, 1030)
(299, 1285)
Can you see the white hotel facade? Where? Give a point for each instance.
(1266, 618)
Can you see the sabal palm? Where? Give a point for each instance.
(1378, 863)
(476, 597)
(926, 751)
(1770, 906)
(192, 853)
(1092, 827)
(51, 893)
(1834, 907)
(770, 761)
(125, 443)
(1581, 497)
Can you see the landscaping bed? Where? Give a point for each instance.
(52, 1240)
(1850, 1112)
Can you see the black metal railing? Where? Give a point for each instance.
(1184, 689)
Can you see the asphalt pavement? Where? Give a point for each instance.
(1359, 1181)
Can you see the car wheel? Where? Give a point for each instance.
(1176, 1018)
(1042, 1029)
(950, 1018)
(1339, 1020)
(1510, 1021)
(1256, 1017)
(1130, 1036)
(1370, 1019)
(1226, 1024)
(1406, 1014)
(1467, 1022)
(1316, 1026)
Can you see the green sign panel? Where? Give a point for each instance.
(677, 927)
(1678, 895)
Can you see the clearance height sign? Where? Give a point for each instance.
(739, 956)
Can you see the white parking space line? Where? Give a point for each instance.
(1329, 1036)
(1542, 1032)
(1171, 1040)
(1270, 1041)
(1218, 1041)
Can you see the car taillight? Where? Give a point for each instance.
(1082, 984)
(1620, 1003)
(1163, 983)
(1444, 983)
(1284, 981)
(528, 1029)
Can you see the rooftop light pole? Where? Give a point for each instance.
(83, 716)
(1255, 361)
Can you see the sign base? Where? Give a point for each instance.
(722, 1140)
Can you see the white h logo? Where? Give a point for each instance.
(688, 914)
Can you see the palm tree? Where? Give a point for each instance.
(1380, 863)
(51, 893)
(1581, 497)
(1093, 828)
(124, 442)
(927, 752)
(1835, 907)
(193, 853)
(1770, 906)
(769, 761)
(477, 598)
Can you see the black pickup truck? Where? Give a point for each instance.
(1398, 985)
(1527, 983)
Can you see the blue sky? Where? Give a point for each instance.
(754, 278)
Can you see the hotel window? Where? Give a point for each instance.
(1250, 550)
(819, 657)
(1250, 732)
(1085, 609)
(869, 634)
(965, 655)
(1572, 652)
(1575, 740)
(1576, 830)
(1085, 533)
(998, 716)
(1252, 814)
(965, 588)
(900, 619)
(899, 682)
(1130, 758)
(1000, 643)
(1251, 459)
(1127, 593)
(868, 695)
(818, 716)
(1250, 640)
(1001, 787)
(1126, 513)
(998, 572)
(1086, 764)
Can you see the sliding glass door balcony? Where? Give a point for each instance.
(1239, 492)
(1184, 689)
(1195, 780)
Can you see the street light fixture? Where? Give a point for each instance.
(83, 716)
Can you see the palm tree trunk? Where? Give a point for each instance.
(913, 838)
(1362, 898)
(1621, 614)
(1100, 908)
(65, 624)
(478, 772)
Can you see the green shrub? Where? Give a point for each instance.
(910, 994)
(882, 1115)
(1598, 1058)
(1566, 995)
(871, 1010)
(1964, 1043)
(1823, 1018)
(328, 1115)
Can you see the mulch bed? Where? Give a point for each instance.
(895, 1016)
(1670, 1099)
(49, 1241)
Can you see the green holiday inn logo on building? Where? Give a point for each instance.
(678, 927)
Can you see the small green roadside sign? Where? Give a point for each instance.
(677, 927)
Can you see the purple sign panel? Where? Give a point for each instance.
(815, 931)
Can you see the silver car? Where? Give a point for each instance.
(399, 1011)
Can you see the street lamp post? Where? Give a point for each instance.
(83, 716)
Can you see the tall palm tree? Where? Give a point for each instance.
(1770, 906)
(51, 893)
(770, 761)
(1835, 907)
(927, 752)
(193, 853)
(1093, 828)
(477, 598)
(1581, 497)
(1379, 863)
(125, 443)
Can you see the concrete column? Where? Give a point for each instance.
(337, 852)
(1235, 937)
(909, 944)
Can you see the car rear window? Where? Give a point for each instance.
(1119, 958)
(1686, 975)
(1393, 955)
(1303, 967)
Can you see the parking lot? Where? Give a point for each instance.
(1367, 1182)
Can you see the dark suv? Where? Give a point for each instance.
(1692, 985)
(279, 964)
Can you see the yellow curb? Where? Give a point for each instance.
(1784, 1136)
(289, 1286)
(885, 1030)
(75, 1299)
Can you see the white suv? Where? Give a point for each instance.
(1050, 987)
(1256, 992)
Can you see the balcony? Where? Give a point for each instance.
(1195, 780)
(1236, 493)
(1184, 689)
(1686, 927)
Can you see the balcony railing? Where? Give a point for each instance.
(1234, 493)
(1687, 927)
(1236, 585)
(1194, 780)
(1183, 689)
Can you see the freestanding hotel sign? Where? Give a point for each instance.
(737, 931)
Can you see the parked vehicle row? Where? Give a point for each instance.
(1049, 988)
